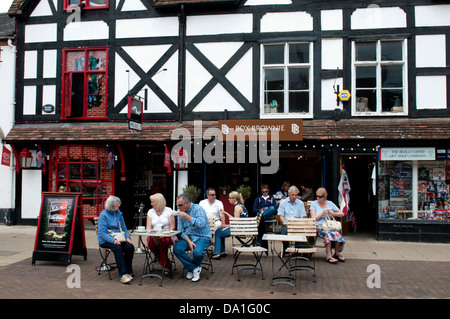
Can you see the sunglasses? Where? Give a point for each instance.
(320, 196)
(179, 205)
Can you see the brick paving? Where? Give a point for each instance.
(400, 279)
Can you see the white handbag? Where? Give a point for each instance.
(120, 236)
(331, 224)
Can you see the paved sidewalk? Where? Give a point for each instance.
(407, 270)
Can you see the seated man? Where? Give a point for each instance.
(195, 236)
(290, 207)
(265, 203)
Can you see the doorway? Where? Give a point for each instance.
(363, 202)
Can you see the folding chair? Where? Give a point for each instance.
(207, 261)
(104, 265)
(245, 230)
(302, 227)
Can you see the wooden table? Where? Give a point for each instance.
(273, 239)
(150, 260)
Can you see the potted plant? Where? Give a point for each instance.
(192, 191)
(245, 191)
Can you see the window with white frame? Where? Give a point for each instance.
(379, 78)
(287, 79)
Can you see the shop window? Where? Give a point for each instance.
(287, 80)
(414, 190)
(86, 4)
(84, 83)
(379, 81)
(84, 169)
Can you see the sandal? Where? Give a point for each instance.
(340, 258)
(167, 271)
(223, 254)
(216, 257)
(332, 261)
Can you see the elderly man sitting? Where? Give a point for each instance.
(290, 207)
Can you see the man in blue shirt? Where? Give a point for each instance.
(290, 207)
(195, 234)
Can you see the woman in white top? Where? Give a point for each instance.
(160, 217)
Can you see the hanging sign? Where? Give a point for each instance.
(60, 229)
(6, 156)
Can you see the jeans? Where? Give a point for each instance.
(219, 244)
(124, 256)
(268, 213)
(189, 263)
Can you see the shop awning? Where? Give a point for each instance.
(345, 129)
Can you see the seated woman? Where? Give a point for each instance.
(319, 209)
(158, 217)
(111, 221)
(240, 211)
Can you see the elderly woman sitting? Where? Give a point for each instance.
(111, 221)
(319, 209)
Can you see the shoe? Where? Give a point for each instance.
(216, 257)
(223, 254)
(129, 276)
(197, 272)
(340, 258)
(190, 275)
(125, 279)
(332, 261)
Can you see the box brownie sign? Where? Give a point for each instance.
(60, 231)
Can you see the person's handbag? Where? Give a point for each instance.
(331, 224)
(119, 236)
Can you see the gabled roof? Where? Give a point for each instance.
(20, 8)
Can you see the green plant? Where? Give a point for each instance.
(192, 191)
(245, 191)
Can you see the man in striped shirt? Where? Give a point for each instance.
(195, 234)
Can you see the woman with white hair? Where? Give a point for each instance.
(158, 217)
(111, 221)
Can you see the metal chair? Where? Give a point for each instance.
(245, 231)
(302, 227)
(105, 265)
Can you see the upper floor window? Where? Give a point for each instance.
(379, 78)
(87, 4)
(287, 77)
(85, 74)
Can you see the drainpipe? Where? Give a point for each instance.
(182, 63)
(13, 108)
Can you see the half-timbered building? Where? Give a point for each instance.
(104, 85)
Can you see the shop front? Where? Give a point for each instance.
(413, 193)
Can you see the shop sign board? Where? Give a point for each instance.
(407, 154)
(60, 229)
(268, 129)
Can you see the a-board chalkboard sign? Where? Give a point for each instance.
(60, 230)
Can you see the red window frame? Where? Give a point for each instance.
(67, 77)
(87, 5)
(86, 159)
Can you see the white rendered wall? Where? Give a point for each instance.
(375, 17)
(430, 51)
(431, 92)
(429, 16)
(7, 76)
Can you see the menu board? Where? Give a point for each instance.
(60, 231)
